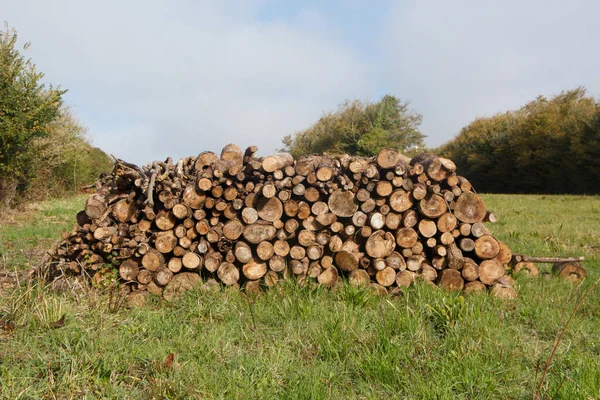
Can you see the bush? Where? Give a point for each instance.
(360, 128)
(547, 146)
(43, 149)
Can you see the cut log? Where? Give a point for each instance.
(450, 279)
(277, 161)
(163, 276)
(233, 229)
(95, 206)
(129, 269)
(526, 268)
(232, 152)
(433, 206)
(389, 158)
(400, 200)
(270, 209)
(469, 208)
(259, 232)
(153, 260)
(474, 287)
(205, 159)
(490, 271)
(328, 277)
(123, 210)
(228, 274)
(571, 271)
(503, 292)
(242, 252)
(191, 260)
(446, 222)
(486, 247)
(386, 277)
(346, 261)
(427, 228)
(405, 278)
(380, 244)
(470, 270)
(342, 203)
(165, 242)
(359, 278)
(254, 269)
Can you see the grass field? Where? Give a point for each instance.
(308, 343)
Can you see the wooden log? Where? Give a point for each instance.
(95, 206)
(504, 253)
(129, 270)
(490, 271)
(123, 210)
(342, 203)
(175, 264)
(433, 206)
(450, 279)
(380, 244)
(346, 261)
(474, 287)
(400, 200)
(478, 229)
(228, 274)
(571, 271)
(232, 152)
(386, 277)
(486, 247)
(359, 278)
(270, 209)
(389, 158)
(470, 270)
(503, 292)
(191, 260)
(259, 232)
(264, 251)
(153, 260)
(427, 228)
(446, 222)
(277, 263)
(212, 261)
(277, 161)
(254, 269)
(428, 273)
(526, 268)
(436, 168)
(328, 276)
(469, 208)
(163, 276)
(405, 278)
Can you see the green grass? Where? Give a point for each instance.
(294, 343)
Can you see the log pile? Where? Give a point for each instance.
(251, 222)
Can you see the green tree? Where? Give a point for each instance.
(361, 128)
(546, 146)
(27, 106)
(65, 160)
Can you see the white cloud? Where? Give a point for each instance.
(152, 79)
(462, 59)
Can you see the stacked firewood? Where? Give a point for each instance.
(251, 222)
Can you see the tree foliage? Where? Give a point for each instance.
(547, 146)
(65, 159)
(39, 139)
(361, 128)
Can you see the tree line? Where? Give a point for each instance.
(44, 150)
(550, 145)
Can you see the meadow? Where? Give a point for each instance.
(307, 342)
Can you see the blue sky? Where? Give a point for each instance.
(158, 78)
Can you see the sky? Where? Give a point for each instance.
(158, 78)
